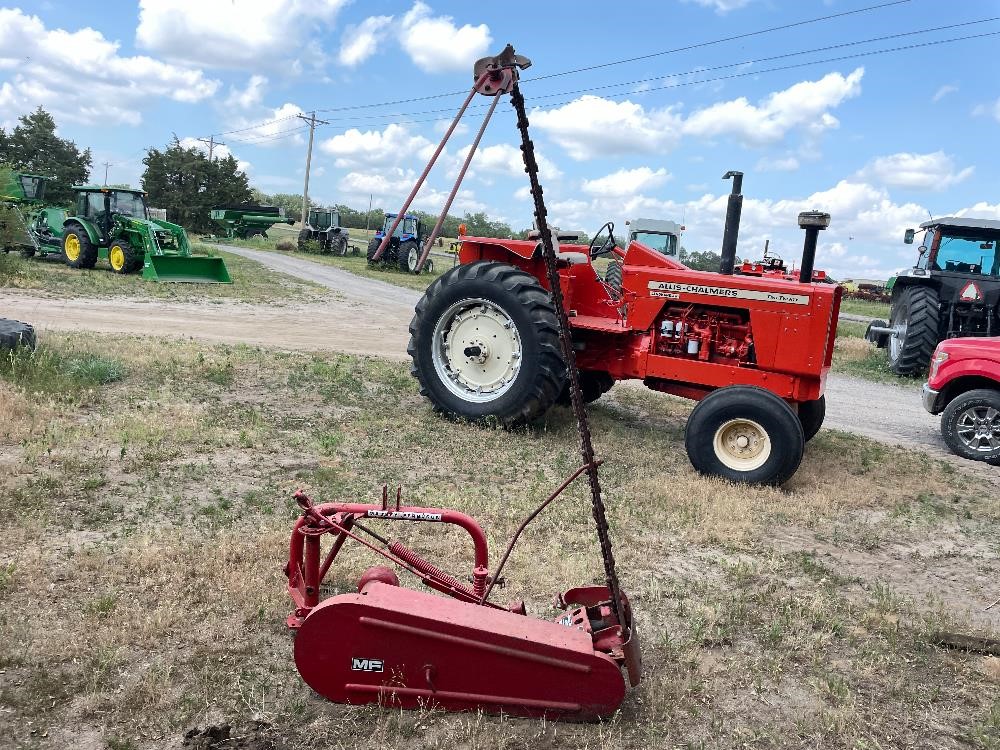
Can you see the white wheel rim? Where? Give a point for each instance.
(742, 445)
(412, 258)
(476, 350)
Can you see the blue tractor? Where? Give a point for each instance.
(404, 245)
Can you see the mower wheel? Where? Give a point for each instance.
(14, 333)
(27, 251)
(811, 415)
(407, 256)
(593, 385)
(879, 339)
(914, 319)
(971, 425)
(484, 341)
(78, 250)
(613, 276)
(744, 434)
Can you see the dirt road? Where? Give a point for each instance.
(367, 316)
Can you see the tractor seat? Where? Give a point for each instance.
(569, 258)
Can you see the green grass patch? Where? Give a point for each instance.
(252, 282)
(866, 308)
(60, 371)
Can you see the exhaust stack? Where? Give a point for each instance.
(813, 222)
(733, 211)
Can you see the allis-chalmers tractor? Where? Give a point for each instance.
(754, 351)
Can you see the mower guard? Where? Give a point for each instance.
(410, 649)
(186, 268)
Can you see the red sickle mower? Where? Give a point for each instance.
(410, 649)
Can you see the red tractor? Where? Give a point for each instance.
(754, 351)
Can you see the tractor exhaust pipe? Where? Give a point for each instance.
(733, 211)
(813, 222)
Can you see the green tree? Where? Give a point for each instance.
(33, 146)
(702, 260)
(183, 181)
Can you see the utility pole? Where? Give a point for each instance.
(106, 165)
(311, 119)
(368, 216)
(212, 143)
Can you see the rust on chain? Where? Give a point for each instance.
(566, 340)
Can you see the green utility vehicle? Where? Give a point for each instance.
(26, 223)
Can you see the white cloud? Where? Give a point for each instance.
(79, 75)
(592, 126)
(934, 171)
(505, 159)
(981, 210)
(391, 185)
(251, 96)
(272, 127)
(804, 105)
(626, 182)
(373, 148)
(220, 151)
(360, 42)
(246, 35)
(778, 164)
(942, 92)
(721, 6)
(436, 45)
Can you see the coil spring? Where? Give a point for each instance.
(430, 570)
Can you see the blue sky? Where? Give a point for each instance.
(881, 141)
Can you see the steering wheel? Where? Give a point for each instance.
(605, 247)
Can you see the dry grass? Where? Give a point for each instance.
(145, 522)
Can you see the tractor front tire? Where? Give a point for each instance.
(340, 245)
(915, 315)
(613, 276)
(373, 248)
(970, 425)
(407, 256)
(304, 236)
(744, 434)
(811, 415)
(484, 344)
(123, 258)
(78, 250)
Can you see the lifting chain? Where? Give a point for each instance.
(569, 354)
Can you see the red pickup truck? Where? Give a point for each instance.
(964, 387)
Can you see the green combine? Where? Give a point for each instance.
(109, 224)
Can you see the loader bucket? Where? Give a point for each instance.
(186, 268)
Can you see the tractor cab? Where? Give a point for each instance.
(21, 187)
(962, 246)
(404, 246)
(409, 228)
(100, 205)
(656, 234)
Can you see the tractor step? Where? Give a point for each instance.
(186, 269)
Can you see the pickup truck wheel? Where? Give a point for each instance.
(811, 415)
(744, 434)
(484, 341)
(971, 425)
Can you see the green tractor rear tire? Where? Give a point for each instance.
(915, 316)
(78, 250)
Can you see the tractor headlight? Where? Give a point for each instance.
(936, 361)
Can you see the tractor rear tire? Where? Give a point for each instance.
(14, 333)
(407, 256)
(744, 434)
(970, 425)
(340, 245)
(881, 340)
(917, 310)
(471, 313)
(613, 276)
(811, 415)
(304, 236)
(78, 250)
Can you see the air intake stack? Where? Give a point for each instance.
(733, 211)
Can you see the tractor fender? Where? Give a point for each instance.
(903, 282)
(75, 221)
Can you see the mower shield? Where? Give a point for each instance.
(189, 269)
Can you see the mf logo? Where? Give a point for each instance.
(366, 665)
